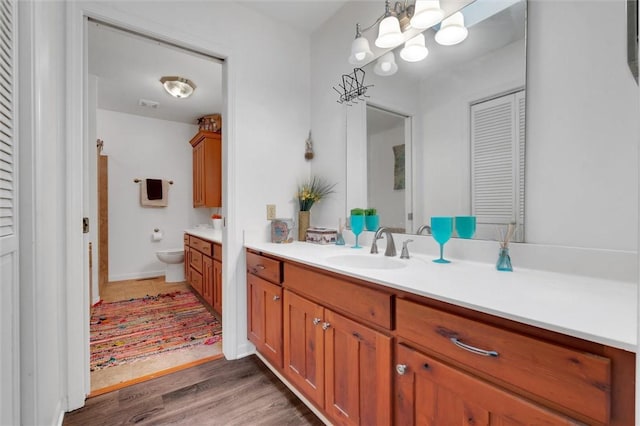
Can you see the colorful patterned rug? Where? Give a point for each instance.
(129, 330)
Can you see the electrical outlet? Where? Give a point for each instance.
(271, 211)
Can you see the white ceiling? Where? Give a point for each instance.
(129, 66)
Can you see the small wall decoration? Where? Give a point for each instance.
(398, 167)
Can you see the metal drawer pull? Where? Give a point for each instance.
(401, 369)
(475, 350)
(316, 321)
(260, 267)
(325, 326)
(276, 298)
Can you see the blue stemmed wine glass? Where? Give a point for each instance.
(357, 226)
(441, 228)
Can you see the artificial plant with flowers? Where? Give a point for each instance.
(315, 189)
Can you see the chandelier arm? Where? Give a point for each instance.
(380, 18)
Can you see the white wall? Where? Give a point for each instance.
(380, 165)
(444, 145)
(140, 147)
(581, 121)
(43, 225)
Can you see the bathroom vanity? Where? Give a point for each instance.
(413, 342)
(203, 265)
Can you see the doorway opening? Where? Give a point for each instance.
(142, 133)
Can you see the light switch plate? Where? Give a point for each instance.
(271, 211)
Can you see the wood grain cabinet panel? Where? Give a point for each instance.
(216, 296)
(577, 380)
(208, 278)
(304, 346)
(207, 169)
(357, 372)
(264, 320)
(429, 392)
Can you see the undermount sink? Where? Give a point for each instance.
(365, 261)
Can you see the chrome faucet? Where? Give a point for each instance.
(391, 246)
(422, 228)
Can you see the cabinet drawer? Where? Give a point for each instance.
(368, 304)
(577, 380)
(195, 260)
(186, 239)
(201, 245)
(264, 267)
(217, 252)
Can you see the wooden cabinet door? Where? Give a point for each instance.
(429, 392)
(304, 346)
(265, 318)
(217, 287)
(208, 277)
(198, 181)
(357, 372)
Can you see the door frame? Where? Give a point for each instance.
(77, 319)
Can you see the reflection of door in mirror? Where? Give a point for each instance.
(388, 173)
(497, 163)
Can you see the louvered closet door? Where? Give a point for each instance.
(497, 159)
(9, 355)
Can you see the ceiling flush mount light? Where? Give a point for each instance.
(452, 30)
(178, 87)
(414, 49)
(386, 65)
(360, 50)
(426, 14)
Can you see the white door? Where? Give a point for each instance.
(9, 343)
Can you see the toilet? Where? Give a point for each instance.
(173, 259)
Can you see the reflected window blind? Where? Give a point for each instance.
(7, 143)
(497, 159)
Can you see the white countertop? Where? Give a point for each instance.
(207, 233)
(594, 309)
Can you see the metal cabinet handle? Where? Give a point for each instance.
(473, 349)
(276, 298)
(401, 369)
(325, 326)
(316, 321)
(260, 266)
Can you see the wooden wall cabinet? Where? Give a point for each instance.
(203, 269)
(207, 169)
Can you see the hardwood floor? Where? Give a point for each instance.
(220, 392)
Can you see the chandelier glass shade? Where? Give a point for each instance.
(427, 13)
(452, 30)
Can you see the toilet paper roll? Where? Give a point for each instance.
(156, 236)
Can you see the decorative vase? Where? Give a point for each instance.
(216, 223)
(304, 218)
(504, 260)
(371, 222)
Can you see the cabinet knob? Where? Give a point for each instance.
(276, 298)
(401, 369)
(316, 321)
(325, 326)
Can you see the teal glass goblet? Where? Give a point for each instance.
(357, 226)
(465, 226)
(441, 229)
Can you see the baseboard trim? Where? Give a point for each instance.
(136, 275)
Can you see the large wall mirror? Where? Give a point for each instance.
(458, 120)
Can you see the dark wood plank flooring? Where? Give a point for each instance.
(220, 392)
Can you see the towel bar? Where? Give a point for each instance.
(136, 180)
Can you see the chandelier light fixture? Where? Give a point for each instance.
(404, 23)
(178, 87)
